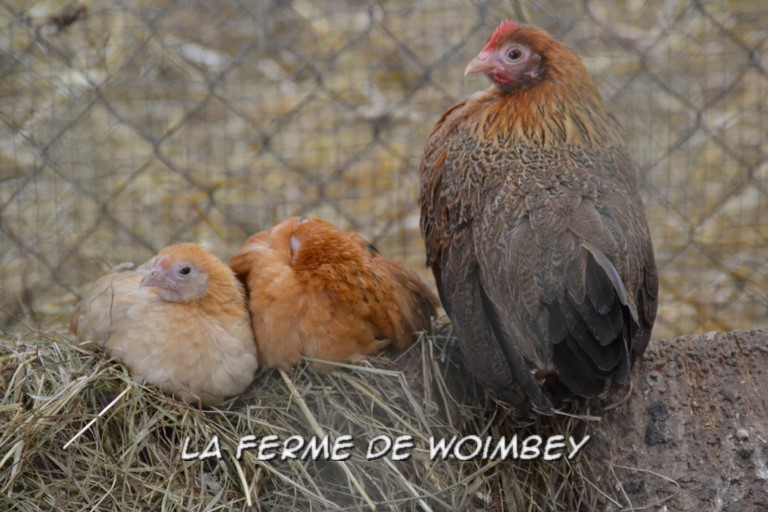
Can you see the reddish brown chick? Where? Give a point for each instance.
(181, 324)
(534, 228)
(327, 294)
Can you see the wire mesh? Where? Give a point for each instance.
(129, 125)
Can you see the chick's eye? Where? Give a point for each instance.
(184, 271)
(514, 54)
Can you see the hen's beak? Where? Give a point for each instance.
(483, 63)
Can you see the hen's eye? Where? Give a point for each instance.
(184, 271)
(514, 54)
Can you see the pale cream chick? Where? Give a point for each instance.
(182, 325)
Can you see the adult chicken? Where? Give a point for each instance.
(180, 324)
(323, 293)
(534, 229)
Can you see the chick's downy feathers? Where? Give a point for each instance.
(323, 293)
(534, 228)
(180, 324)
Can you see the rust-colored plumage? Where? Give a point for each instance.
(327, 294)
(534, 228)
(179, 323)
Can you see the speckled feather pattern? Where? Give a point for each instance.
(536, 234)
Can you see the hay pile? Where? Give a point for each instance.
(77, 433)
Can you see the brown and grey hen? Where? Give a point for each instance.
(534, 228)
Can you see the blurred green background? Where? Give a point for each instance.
(126, 126)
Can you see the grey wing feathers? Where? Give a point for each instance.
(517, 363)
(461, 293)
(561, 298)
(591, 346)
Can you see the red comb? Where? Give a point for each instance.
(504, 28)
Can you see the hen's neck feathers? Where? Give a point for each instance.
(564, 108)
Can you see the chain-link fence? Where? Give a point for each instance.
(126, 126)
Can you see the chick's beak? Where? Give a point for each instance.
(156, 276)
(151, 279)
(483, 63)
